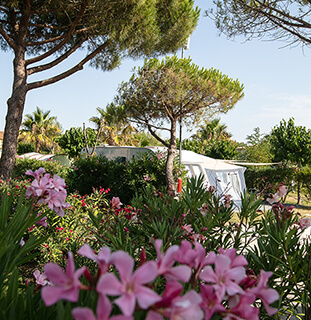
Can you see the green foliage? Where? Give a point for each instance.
(73, 140)
(218, 149)
(123, 179)
(179, 89)
(40, 129)
(276, 20)
(50, 166)
(303, 175)
(97, 172)
(258, 178)
(172, 89)
(23, 147)
(115, 129)
(269, 241)
(257, 148)
(290, 143)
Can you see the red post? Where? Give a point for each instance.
(179, 185)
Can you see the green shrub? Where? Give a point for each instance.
(50, 166)
(124, 179)
(24, 147)
(304, 175)
(87, 174)
(257, 178)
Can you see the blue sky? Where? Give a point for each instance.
(277, 82)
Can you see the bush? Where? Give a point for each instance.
(123, 178)
(304, 176)
(191, 239)
(53, 167)
(24, 147)
(257, 178)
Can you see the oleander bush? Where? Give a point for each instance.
(155, 257)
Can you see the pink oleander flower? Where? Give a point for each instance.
(103, 259)
(103, 311)
(56, 201)
(36, 174)
(194, 258)
(236, 261)
(187, 228)
(132, 287)
(146, 177)
(186, 307)
(160, 155)
(48, 190)
(304, 223)
(210, 302)
(266, 294)
(167, 260)
(39, 188)
(116, 203)
(243, 309)
(65, 285)
(58, 183)
(40, 278)
(224, 278)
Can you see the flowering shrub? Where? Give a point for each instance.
(172, 277)
(219, 285)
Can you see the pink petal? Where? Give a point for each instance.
(103, 307)
(232, 288)
(181, 273)
(124, 264)
(169, 256)
(51, 294)
(55, 273)
(109, 284)
(86, 251)
(152, 315)
(146, 297)
(126, 303)
(83, 314)
(237, 274)
(222, 264)
(70, 268)
(158, 246)
(208, 275)
(146, 273)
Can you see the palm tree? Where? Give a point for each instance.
(41, 129)
(213, 130)
(115, 129)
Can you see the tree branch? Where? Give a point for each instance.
(67, 73)
(65, 40)
(7, 38)
(56, 61)
(38, 43)
(157, 137)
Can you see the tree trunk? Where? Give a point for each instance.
(14, 115)
(171, 152)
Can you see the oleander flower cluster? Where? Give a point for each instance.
(196, 285)
(48, 190)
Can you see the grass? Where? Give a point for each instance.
(304, 208)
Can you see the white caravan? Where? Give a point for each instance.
(225, 177)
